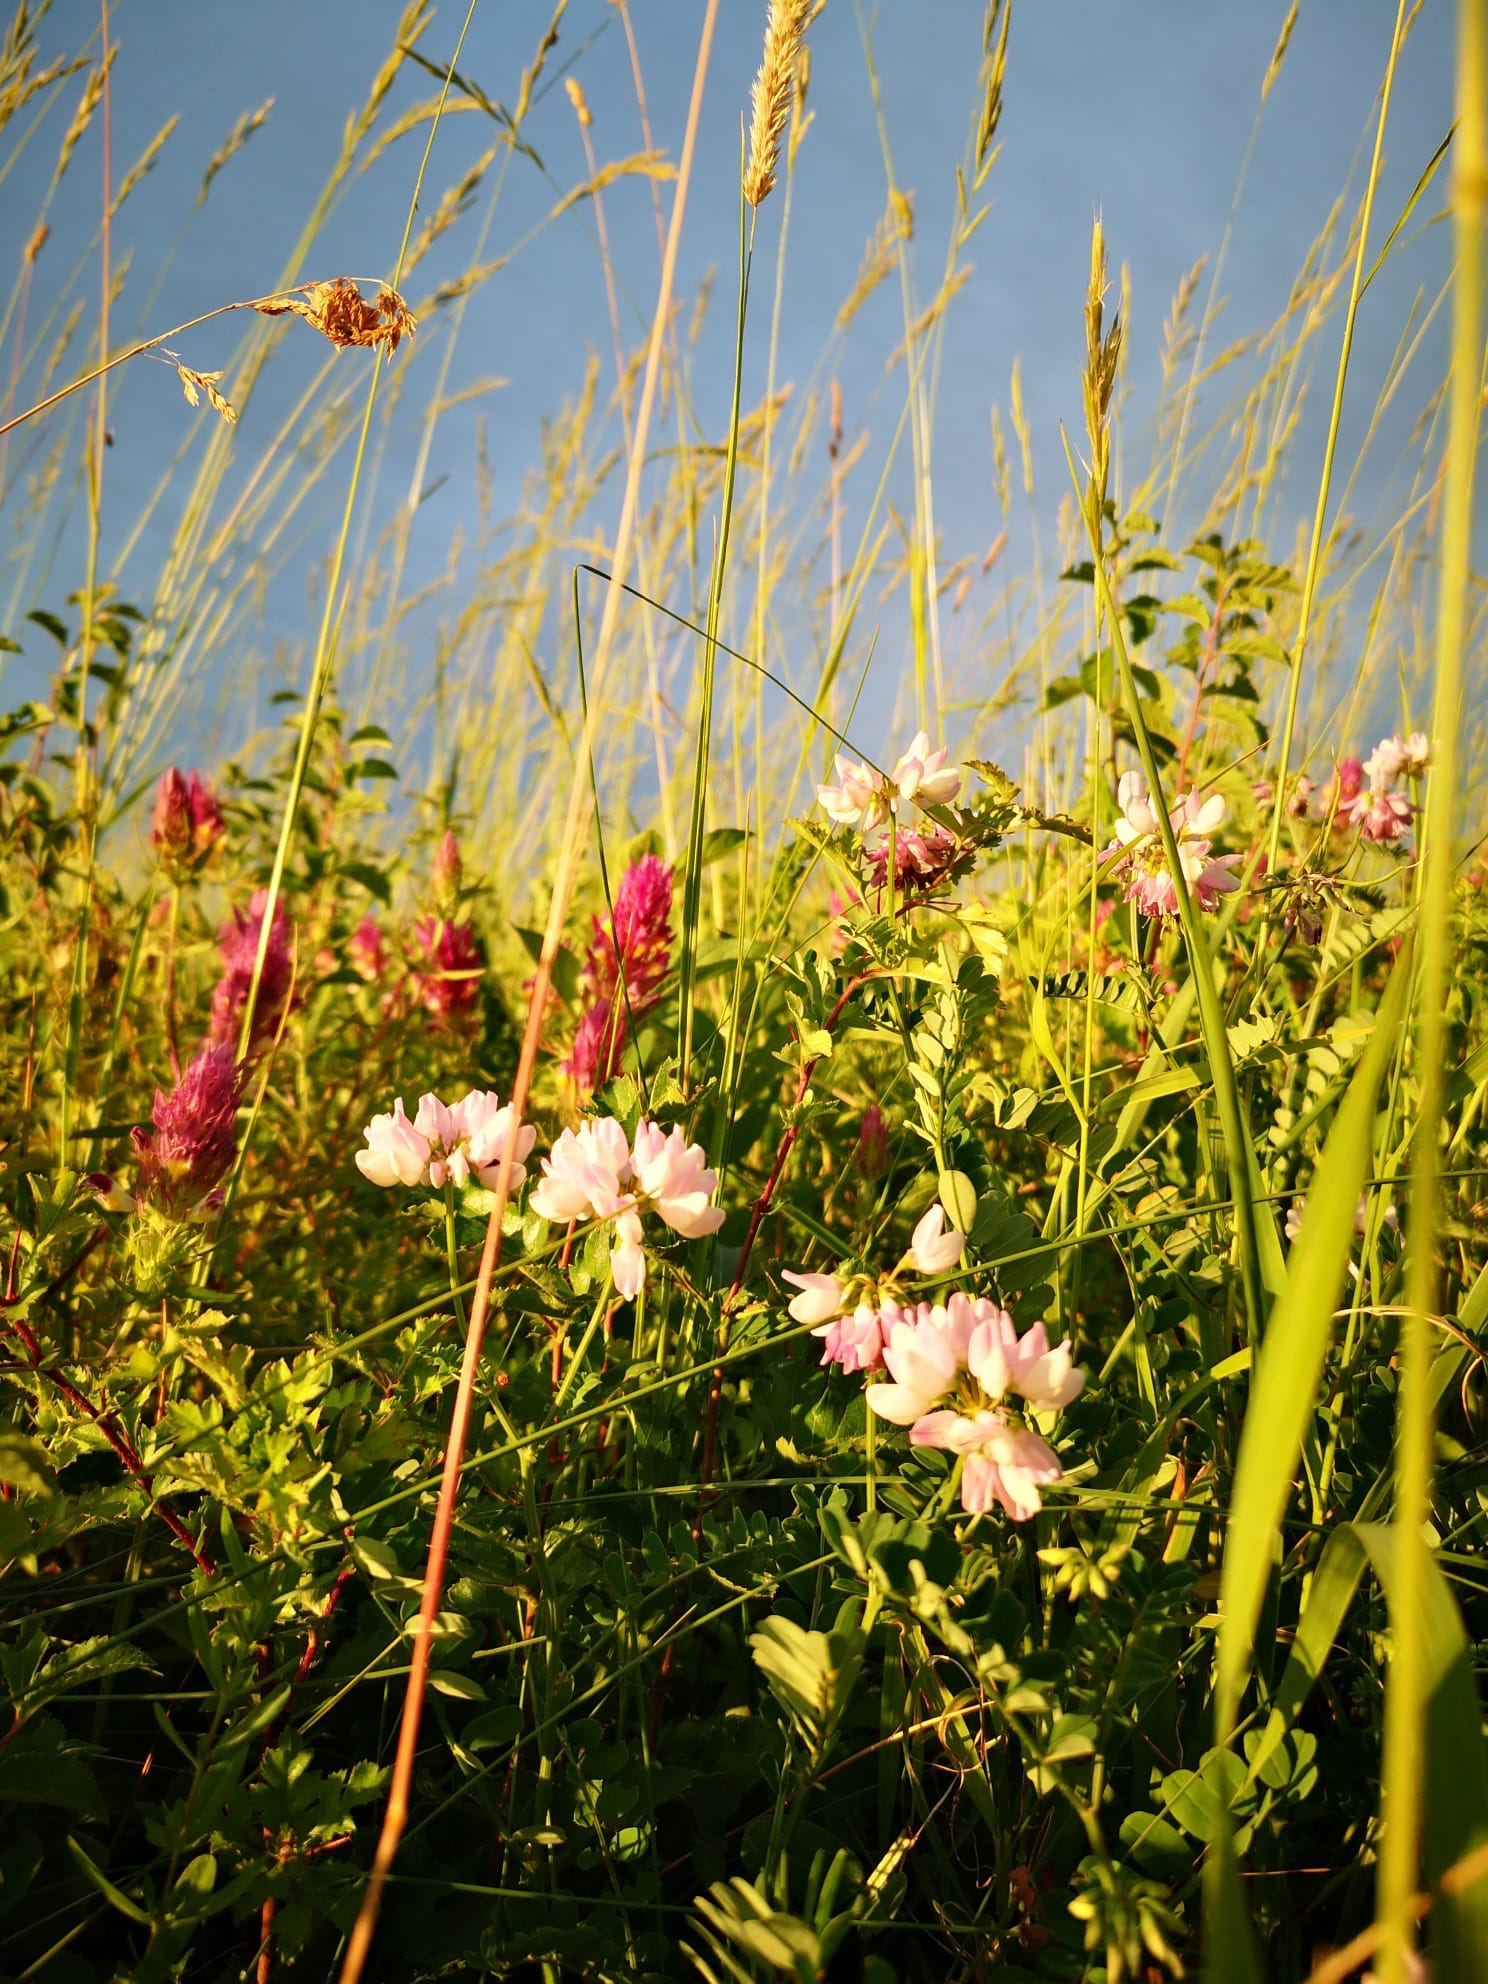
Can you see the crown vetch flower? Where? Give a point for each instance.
(672, 1178)
(187, 823)
(999, 1462)
(396, 1153)
(1382, 817)
(1001, 1362)
(856, 1341)
(924, 1348)
(923, 856)
(932, 1250)
(446, 1142)
(860, 798)
(819, 1300)
(1143, 861)
(1398, 757)
(592, 1173)
(194, 1141)
(238, 942)
(924, 775)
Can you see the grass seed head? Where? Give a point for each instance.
(785, 26)
(340, 312)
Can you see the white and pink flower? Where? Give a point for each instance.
(820, 1298)
(1382, 817)
(924, 776)
(932, 1250)
(1001, 1361)
(859, 799)
(445, 1142)
(1394, 758)
(593, 1173)
(856, 1341)
(1000, 1462)
(1143, 860)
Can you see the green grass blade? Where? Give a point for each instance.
(1290, 1363)
(1455, 1775)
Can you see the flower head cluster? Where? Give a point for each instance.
(594, 1172)
(1381, 810)
(624, 971)
(954, 1368)
(864, 798)
(184, 1158)
(853, 1327)
(1143, 862)
(446, 1143)
(238, 942)
(367, 949)
(449, 965)
(923, 856)
(187, 824)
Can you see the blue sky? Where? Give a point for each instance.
(1140, 109)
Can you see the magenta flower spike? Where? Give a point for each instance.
(193, 1143)
(238, 942)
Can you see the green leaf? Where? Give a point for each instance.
(958, 1196)
(1289, 1365)
(24, 1465)
(100, 1880)
(1455, 1806)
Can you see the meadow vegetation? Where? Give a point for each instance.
(654, 1330)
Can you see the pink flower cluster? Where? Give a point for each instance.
(238, 941)
(594, 1172)
(953, 1367)
(1143, 863)
(970, 1350)
(624, 971)
(442, 958)
(450, 963)
(865, 799)
(191, 1148)
(1381, 811)
(187, 823)
(445, 1143)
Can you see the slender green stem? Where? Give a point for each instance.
(692, 874)
(1320, 513)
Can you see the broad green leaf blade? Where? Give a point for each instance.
(1455, 1808)
(1334, 1583)
(1290, 1363)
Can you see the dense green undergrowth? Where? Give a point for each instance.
(932, 1516)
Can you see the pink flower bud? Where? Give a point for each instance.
(873, 1144)
(447, 874)
(187, 823)
(238, 942)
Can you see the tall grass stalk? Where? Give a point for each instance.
(330, 621)
(1405, 1756)
(1335, 417)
